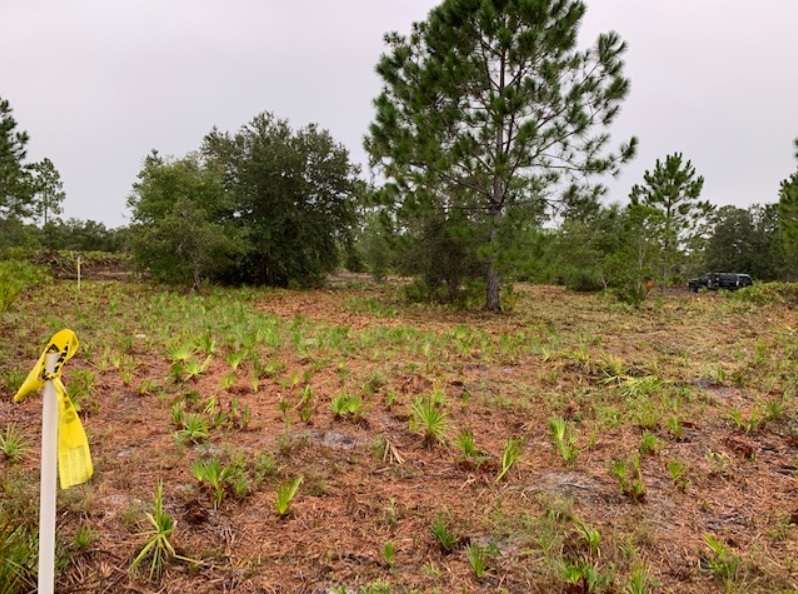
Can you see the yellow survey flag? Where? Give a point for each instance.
(74, 458)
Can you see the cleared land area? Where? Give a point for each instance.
(571, 445)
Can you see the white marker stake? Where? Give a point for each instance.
(48, 482)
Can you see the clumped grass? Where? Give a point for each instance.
(12, 379)
(84, 538)
(479, 558)
(80, 388)
(750, 423)
(674, 426)
(13, 444)
(265, 466)
(18, 553)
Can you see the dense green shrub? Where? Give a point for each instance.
(583, 280)
(16, 276)
(769, 294)
(267, 205)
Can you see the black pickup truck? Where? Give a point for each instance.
(720, 280)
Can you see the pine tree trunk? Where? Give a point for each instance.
(492, 273)
(497, 203)
(492, 291)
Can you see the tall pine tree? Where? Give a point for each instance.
(788, 219)
(672, 192)
(490, 109)
(15, 187)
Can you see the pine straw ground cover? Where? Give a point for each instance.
(572, 445)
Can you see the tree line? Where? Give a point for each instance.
(490, 140)
(32, 196)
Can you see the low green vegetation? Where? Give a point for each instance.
(286, 493)
(480, 445)
(158, 545)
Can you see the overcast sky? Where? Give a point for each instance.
(99, 83)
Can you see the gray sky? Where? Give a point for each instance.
(98, 83)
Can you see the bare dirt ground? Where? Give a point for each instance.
(710, 379)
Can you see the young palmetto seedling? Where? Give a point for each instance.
(630, 478)
(215, 475)
(235, 359)
(649, 444)
(193, 368)
(563, 437)
(177, 371)
(447, 540)
(345, 405)
(13, 444)
(639, 581)
(510, 455)
(207, 344)
(285, 495)
(674, 426)
(466, 444)
(678, 469)
(343, 371)
(157, 546)
(178, 413)
(179, 353)
(340, 405)
(590, 536)
(582, 575)
(195, 430)
(354, 405)
(723, 564)
(429, 418)
(306, 406)
(389, 553)
(254, 382)
(126, 376)
(228, 381)
(469, 452)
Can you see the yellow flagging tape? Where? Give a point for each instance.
(74, 458)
